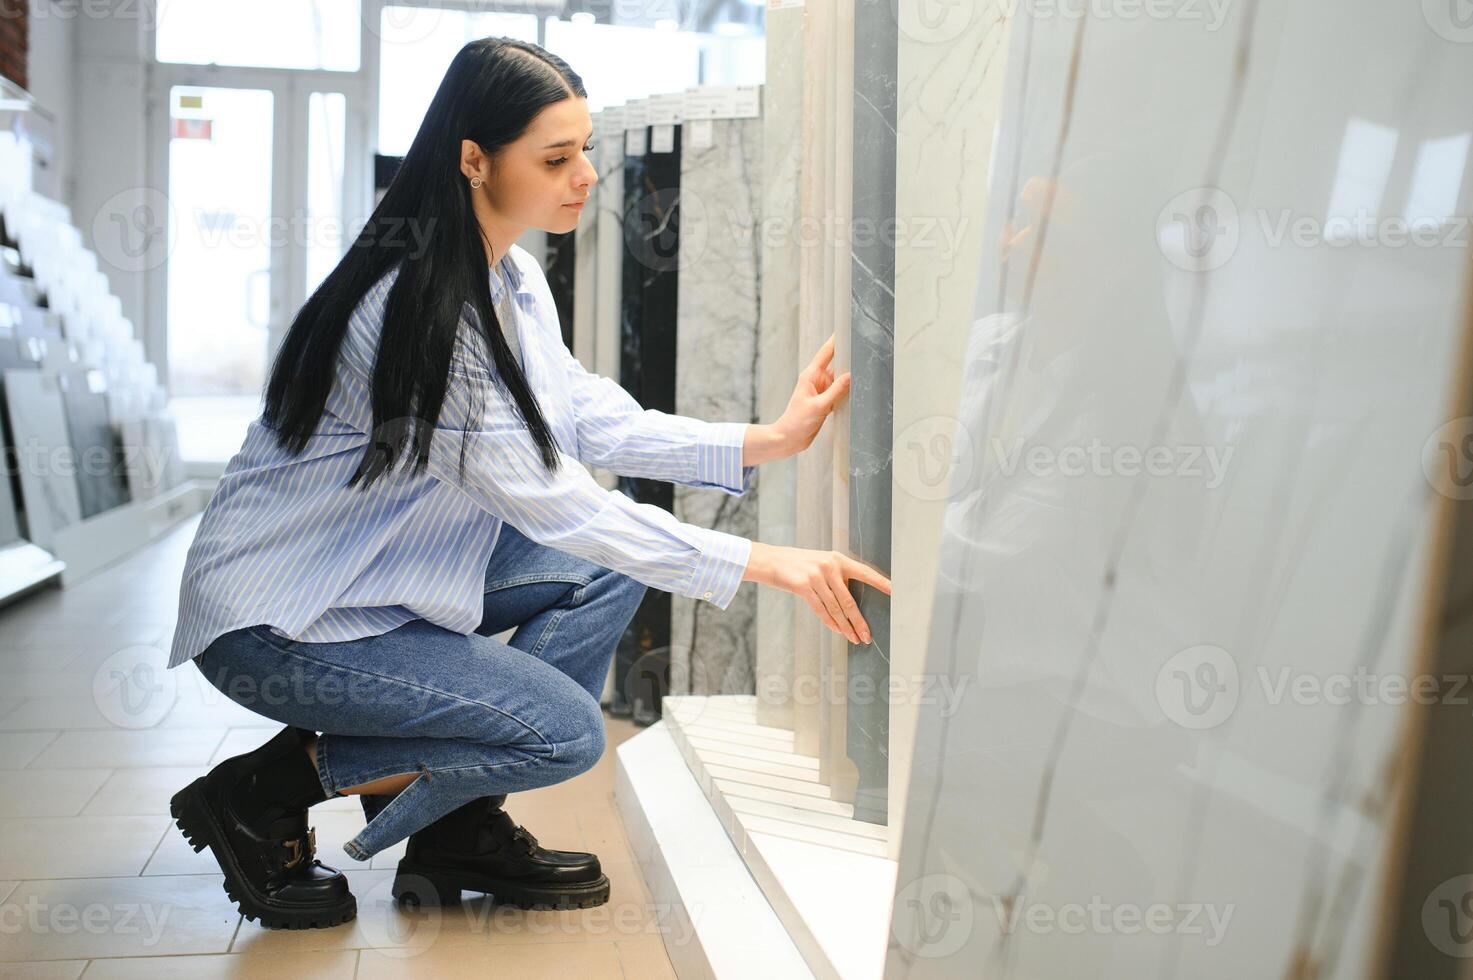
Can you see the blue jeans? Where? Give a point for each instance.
(472, 715)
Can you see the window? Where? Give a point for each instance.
(416, 45)
(318, 34)
(622, 63)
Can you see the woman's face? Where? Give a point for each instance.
(535, 180)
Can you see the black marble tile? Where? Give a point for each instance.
(647, 371)
(559, 269)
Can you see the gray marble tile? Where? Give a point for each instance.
(713, 650)
(871, 397)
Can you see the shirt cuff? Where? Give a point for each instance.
(720, 568)
(719, 457)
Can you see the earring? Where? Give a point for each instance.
(476, 181)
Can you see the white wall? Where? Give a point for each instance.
(52, 66)
(109, 149)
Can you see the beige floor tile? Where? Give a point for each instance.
(140, 792)
(550, 961)
(149, 790)
(174, 856)
(53, 633)
(645, 959)
(69, 712)
(77, 847)
(119, 749)
(49, 657)
(32, 683)
(52, 970)
(48, 792)
(603, 832)
(19, 748)
(89, 918)
(50, 705)
(304, 966)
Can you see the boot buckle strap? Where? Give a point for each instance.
(299, 853)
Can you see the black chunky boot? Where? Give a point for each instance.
(251, 811)
(478, 848)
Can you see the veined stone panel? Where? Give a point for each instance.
(713, 651)
(1205, 361)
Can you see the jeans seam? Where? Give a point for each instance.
(417, 687)
(548, 630)
(399, 770)
(324, 771)
(566, 577)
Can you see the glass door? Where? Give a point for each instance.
(219, 305)
(266, 179)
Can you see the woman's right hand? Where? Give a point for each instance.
(819, 578)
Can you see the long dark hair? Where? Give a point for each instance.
(490, 94)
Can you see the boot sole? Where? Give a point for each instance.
(418, 885)
(194, 819)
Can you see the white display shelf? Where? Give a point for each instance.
(825, 875)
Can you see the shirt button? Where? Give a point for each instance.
(708, 595)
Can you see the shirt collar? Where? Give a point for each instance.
(506, 271)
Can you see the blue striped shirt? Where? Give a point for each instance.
(284, 541)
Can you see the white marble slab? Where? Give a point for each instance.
(1192, 475)
(777, 505)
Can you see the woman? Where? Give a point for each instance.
(401, 500)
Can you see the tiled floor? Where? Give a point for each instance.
(96, 882)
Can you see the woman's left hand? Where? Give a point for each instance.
(813, 399)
